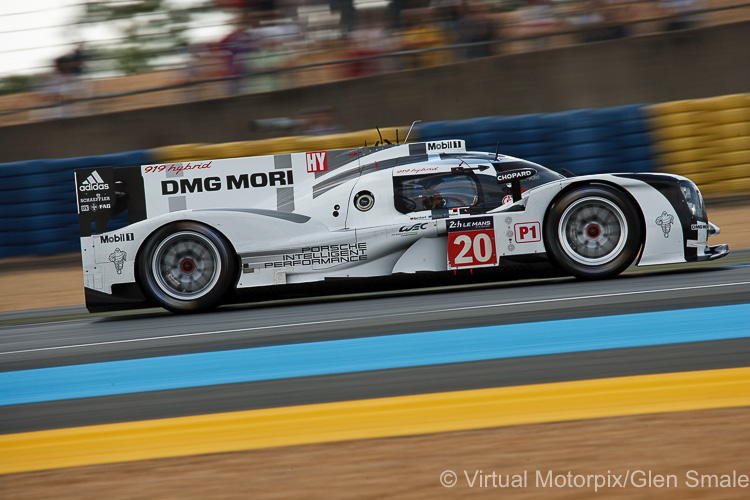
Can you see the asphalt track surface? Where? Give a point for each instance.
(40, 339)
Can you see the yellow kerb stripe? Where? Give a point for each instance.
(374, 418)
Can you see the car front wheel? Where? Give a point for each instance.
(593, 232)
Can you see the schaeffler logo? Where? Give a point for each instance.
(93, 182)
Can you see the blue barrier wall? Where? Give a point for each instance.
(38, 214)
(584, 141)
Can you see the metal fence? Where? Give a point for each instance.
(189, 89)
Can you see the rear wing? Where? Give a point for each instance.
(103, 193)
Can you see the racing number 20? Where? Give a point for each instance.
(471, 249)
(482, 249)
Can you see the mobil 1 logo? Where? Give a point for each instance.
(116, 238)
(471, 242)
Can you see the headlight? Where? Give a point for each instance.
(693, 198)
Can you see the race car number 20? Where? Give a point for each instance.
(471, 243)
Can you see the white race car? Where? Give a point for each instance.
(198, 231)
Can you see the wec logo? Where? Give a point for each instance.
(93, 182)
(415, 227)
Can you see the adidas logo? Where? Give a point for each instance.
(93, 182)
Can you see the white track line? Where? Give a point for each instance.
(361, 318)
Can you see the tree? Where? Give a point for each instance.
(16, 83)
(149, 31)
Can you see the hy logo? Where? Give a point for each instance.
(93, 182)
(317, 161)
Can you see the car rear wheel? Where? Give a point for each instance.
(186, 267)
(593, 232)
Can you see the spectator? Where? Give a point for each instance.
(587, 19)
(538, 18)
(422, 32)
(319, 120)
(235, 48)
(684, 12)
(62, 88)
(370, 38)
(598, 21)
(476, 25)
(206, 61)
(269, 54)
(346, 10)
(77, 61)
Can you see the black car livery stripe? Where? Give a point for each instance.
(331, 182)
(335, 180)
(670, 188)
(291, 217)
(338, 158)
(419, 148)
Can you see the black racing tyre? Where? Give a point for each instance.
(186, 267)
(593, 231)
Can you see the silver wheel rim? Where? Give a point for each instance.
(593, 231)
(186, 265)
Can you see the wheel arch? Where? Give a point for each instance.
(597, 182)
(156, 229)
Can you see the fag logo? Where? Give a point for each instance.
(665, 220)
(317, 161)
(93, 182)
